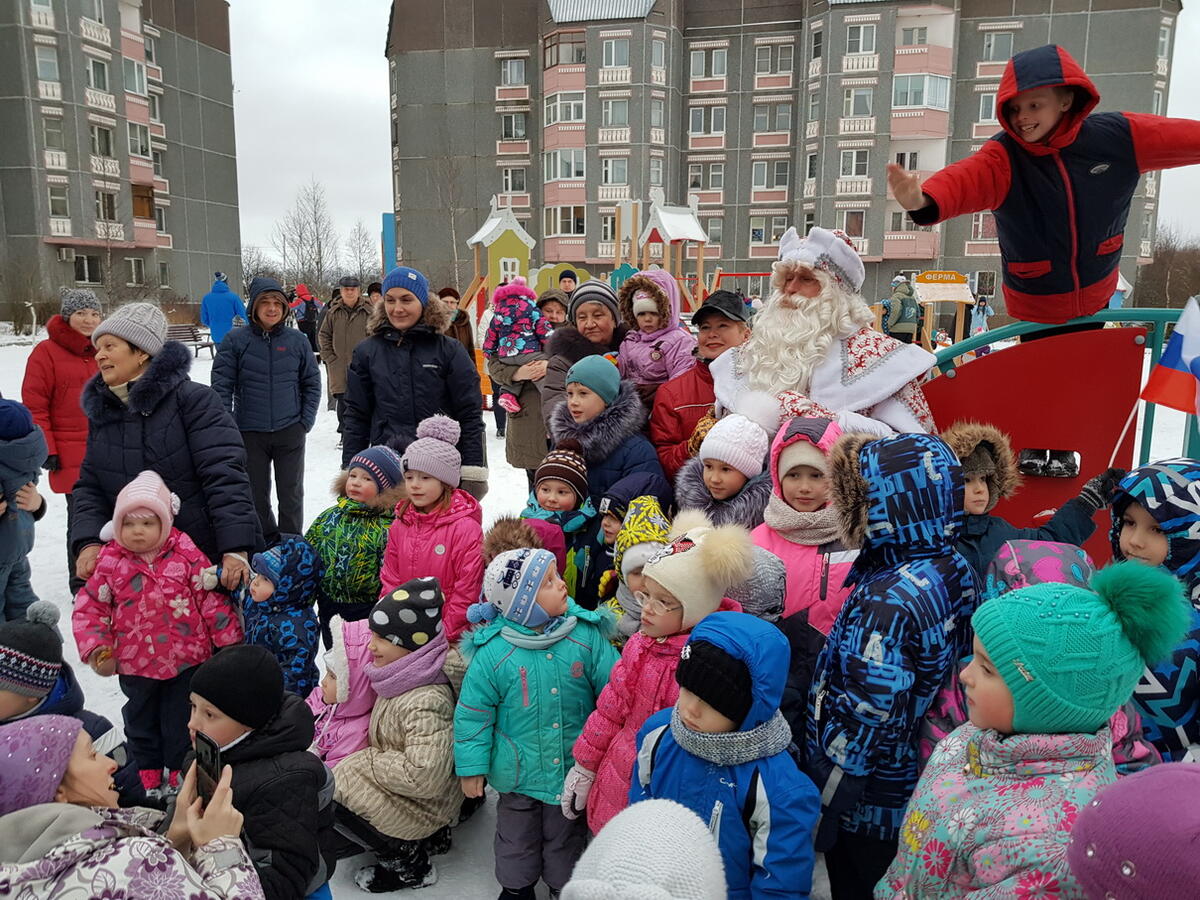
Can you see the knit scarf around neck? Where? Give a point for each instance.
(809, 528)
(419, 668)
(734, 748)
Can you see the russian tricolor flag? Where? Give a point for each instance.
(1174, 381)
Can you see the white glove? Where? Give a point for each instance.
(209, 578)
(576, 787)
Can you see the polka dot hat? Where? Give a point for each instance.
(411, 615)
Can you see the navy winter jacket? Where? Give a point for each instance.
(268, 379)
(982, 536)
(20, 463)
(286, 622)
(397, 378)
(180, 430)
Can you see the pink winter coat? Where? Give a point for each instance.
(642, 682)
(343, 727)
(447, 545)
(662, 355)
(157, 617)
(816, 574)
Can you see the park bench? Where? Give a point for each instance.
(192, 336)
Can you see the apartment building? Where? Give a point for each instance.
(768, 114)
(117, 167)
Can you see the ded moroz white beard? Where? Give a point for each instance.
(792, 333)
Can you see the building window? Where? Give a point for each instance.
(97, 74)
(87, 269)
(1147, 224)
(695, 177)
(770, 175)
(94, 9)
(772, 117)
(512, 71)
(564, 48)
(762, 60)
(707, 120)
(656, 113)
(52, 133)
(143, 201)
(709, 62)
(1164, 42)
(47, 62)
(139, 140)
(929, 91)
(783, 58)
(157, 156)
(614, 171)
(782, 172)
(59, 206)
(164, 274)
(714, 226)
(567, 107)
(758, 230)
(810, 219)
(758, 171)
(987, 107)
(860, 39)
(562, 220)
(818, 44)
(512, 126)
(160, 219)
(137, 270)
(135, 77)
(857, 102)
(913, 37)
(853, 221)
(1156, 103)
(513, 180)
(770, 60)
(983, 227)
(155, 103)
(814, 106)
(106, 206)
(983, 283)
(614, 112)
(151, 49)
(997, 46)
(102, 140)
(908, 160)
(855, 163)
(564, 165)
(902, 221)
(810, 166)
(608, 227)
(616, 53)
(716, 176)
(656, 171)
(658, 53)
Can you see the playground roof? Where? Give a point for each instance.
(668, 224)
(499, 221)
(595, 10)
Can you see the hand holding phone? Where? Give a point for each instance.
(208, 766)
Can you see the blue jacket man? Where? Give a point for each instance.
(744, 783)
(267, 377)
(219, 307)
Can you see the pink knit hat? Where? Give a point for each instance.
(435, 450)
(147, 495)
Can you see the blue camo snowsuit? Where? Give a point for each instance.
(286, 623)
(20, 462)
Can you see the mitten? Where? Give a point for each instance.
(1097, 493)
(700, 432)
(477, 489)
(52, 464)
(103, 662)
(576, 787)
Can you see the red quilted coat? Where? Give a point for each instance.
(55, 374)
(679, 405)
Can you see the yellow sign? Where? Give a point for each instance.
(941, 278)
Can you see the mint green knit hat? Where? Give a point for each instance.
(1071, 655)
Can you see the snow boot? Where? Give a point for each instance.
(1061, 464)
(404, 864)
(1033, 462)
(438, 843)
(525, 893)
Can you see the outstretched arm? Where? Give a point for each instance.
(976, 183)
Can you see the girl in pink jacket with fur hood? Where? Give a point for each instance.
(656, 348)
(343, 701)
(684, 582)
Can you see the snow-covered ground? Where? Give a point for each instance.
(466, 872)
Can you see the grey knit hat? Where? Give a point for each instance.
(75, 299)
(142, 324)
(764, 592)
(593, 292)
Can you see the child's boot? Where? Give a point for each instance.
(152, 781)
(525, 893)
(470, 806)
(438, 843)
(509, 403)
(404, 864)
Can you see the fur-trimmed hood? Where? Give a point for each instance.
(744, 508)
(602, 435)
(659, 285)
(901, 497)
(567, 342)
(968, 438)
(383, 503)
(167, 370)
(435, 319)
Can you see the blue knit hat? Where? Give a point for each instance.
(269, 564)
(380, 462)
(597, 374)
(510, 586)
(410, 280)
(15, 420)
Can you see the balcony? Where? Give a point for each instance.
(1151, 188)
(708, 198)
(60, 227)
(164, 240)
(110, 231)
(564, 135)
(49, 90)
(56, 159)
(925, 58)
(860, 62)
(606, 248)
(658, 75)
(990, 69)
(613, 192)
(921, 123)
(860, 244)
(106, 166)
(565, 193)
(513, 199)
(141, 170)
(614, 135)
(560, 249)
(510, 93)
(564, 78)
(1160, 67)
(90, 30)
(145, 233)
(1145, 250)
(814, 67)
(162, 187)
(853, 185)
(42, 18)
(615, 75)
(810, 188)
(153, 72)
(658, 136)
(981, 131)
(781, 81)
(706, 141)
(772, 139)
(812, 130)
(100, 100)
(990, 247)
(856, 125)
(911, 244)
(503, 148)
(708, 85)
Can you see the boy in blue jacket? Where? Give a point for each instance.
(22, 452)
(723, 752)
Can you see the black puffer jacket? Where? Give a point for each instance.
(286, 796)
(180, 430)
(397, 378)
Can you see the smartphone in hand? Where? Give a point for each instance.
(208, 766)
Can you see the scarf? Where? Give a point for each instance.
(809, 528)
(734, 748)
(418, 669)
(556, 629)
(631, 611)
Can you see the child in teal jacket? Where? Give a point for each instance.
(537, 664)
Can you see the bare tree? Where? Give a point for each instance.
(256, 262)
(362, 254)
(448, 175)
(1175, 273)
(305, 240)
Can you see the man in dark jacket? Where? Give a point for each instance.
(266, 375)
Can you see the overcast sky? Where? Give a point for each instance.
(311, 101)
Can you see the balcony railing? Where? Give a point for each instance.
(42, 18)
(1146, 249)
(910, 244)
(658, 75)
(861, 244)
(658, 136)
(512, 93)
(856, 125)
(1151, 188)
(60, 227)
(860, 62)
(853, 185)
(814, 67)
(106, 165)
(91, 30)
(1160, 66)
(812, 129)
(100, 99)
(606, 248)
(810, 188)
(110, 231)
(49, 90)
(613, 192)
(56, 159)
(615, 75)
(614, 135)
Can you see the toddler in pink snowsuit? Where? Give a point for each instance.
(656, 349)
(343, 701)
(145, 616)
